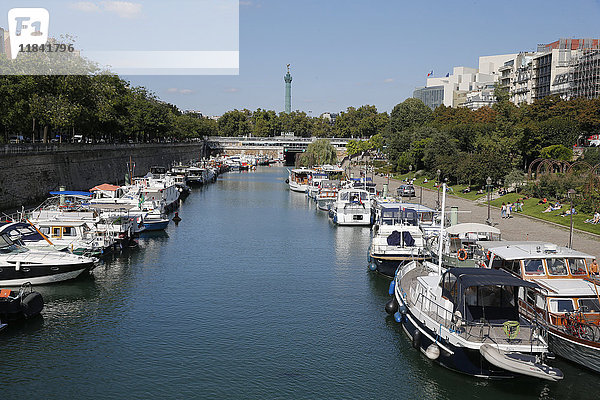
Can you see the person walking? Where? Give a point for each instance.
(503, 211)
(508, 209)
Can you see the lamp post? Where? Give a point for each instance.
(437, 181)
(488, 182)
(571, 194)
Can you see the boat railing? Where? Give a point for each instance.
(510, 332)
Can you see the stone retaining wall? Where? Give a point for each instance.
(28, 174)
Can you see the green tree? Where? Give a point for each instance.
(411, 112)
(557, 152)
(235, 123)
(319, 152)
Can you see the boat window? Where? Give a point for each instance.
(455, 244)
(69, 231)
(344, 196)
(56, 231)
(577, 266)
(45, 230)
(557, 266)
(540, 301)
(514, 266)
(561, 305)
(589, 305)
(426, 217)
(497, 262)
(530, 297)
(496, 296)
(449, 288)
(533, 267)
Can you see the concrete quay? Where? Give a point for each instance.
(519, 227)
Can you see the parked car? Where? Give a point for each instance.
(406, 190)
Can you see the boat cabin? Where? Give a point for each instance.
(537, 260)
(482, 295)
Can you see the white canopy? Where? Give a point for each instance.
(471, 227)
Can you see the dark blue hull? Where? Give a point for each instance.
(464, 360)
(156, 226)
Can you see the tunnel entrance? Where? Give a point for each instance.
(289, 156)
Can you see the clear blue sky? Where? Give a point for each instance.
(349, 52)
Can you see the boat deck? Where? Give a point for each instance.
(483, 332)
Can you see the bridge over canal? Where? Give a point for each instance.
(280, 147)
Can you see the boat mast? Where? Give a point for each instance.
(441, 236)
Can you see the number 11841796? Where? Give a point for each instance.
(46, 48)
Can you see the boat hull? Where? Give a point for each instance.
(576, 350)
(156, 226)
(43, 274)
(463, 360)
(386, 268)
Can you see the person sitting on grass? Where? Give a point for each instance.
(425, 180)
(466, 190)
(480, 191)
(568, 212)
(543, 201)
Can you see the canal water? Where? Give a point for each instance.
(254, 295)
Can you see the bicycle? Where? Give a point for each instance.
(577, 325)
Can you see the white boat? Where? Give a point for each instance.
(567, 298)
(195, 176)
(467, 320)
(314, 184)
(298, 179)
(351, 207)
(327, 194)
(460, 244)
(396, 238)
(19, 264)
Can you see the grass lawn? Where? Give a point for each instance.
(454, 189)
(532, 208)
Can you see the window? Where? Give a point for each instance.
(513, 266)
(557, 266)
(561, 305)
(449, 286)
(69, 231)
(589, 305)
(56, 231)
(533, 267)
(45, 230)
(530, 297)
(577, 266)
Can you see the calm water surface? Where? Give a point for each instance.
(254, 295)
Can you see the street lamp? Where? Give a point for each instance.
(488, 181)
(437, 181)
(571, 194)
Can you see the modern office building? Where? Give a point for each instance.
(454, 88)
(432, 96)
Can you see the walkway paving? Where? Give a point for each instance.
(517, 228)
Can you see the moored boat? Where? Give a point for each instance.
(468, 320)
(567, 299)
(351, 207)
(396, 238)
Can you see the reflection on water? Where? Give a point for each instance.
(254, 294)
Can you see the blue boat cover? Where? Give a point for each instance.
(70, 193)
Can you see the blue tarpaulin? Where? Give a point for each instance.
(70, 193)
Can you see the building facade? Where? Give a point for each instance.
(432, 96)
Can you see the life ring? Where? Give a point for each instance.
(462, 254)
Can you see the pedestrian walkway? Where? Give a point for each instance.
(518, 227)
